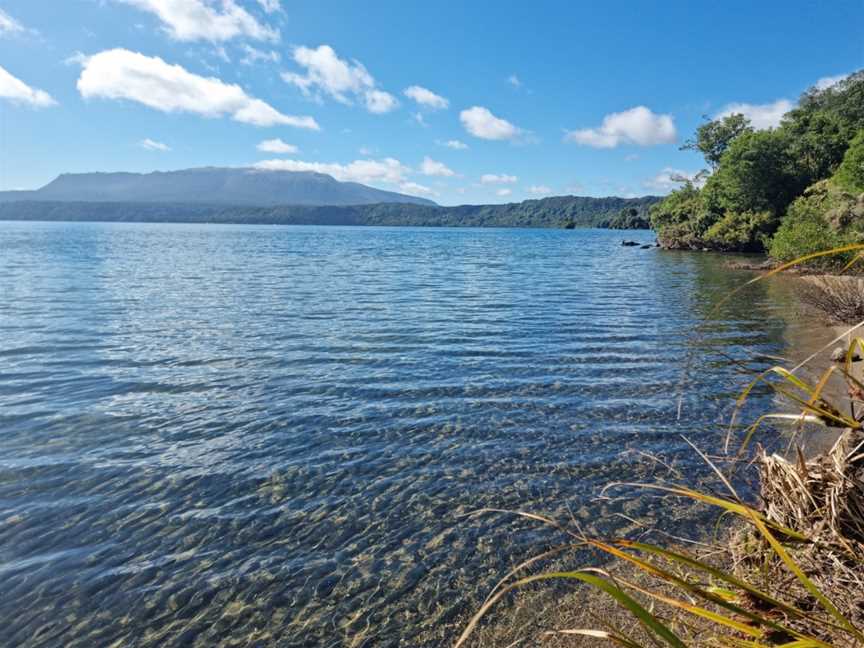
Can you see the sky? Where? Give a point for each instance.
(458, 101)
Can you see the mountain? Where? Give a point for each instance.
(213, 186)
(553, 212)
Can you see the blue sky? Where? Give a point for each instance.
(463, 102)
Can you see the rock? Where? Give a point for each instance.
(629, 243)
(839, 355)
(645, 247)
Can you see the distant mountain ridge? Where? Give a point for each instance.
(213, 186)
(553, 212)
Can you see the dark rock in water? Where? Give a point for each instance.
(645, 247)
(629, 243)
(570, 225)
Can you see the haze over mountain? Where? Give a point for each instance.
(211, 185)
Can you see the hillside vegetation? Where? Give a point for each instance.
(788, 190)
(555, 212)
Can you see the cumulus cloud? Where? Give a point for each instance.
(122, 74)
(344, 81)
(426, 98)
(276, 146)
(480, 122)
(432, 168)
(153, 145)
(416, 189)
(16, 91)
(539, 190)
(761, 116)
(503, 192)
(514, 81)
(9, 26)
(492, 178)
(192, 20)
(637, 126)
(379, 102)
(826, 82)
(386, 170)
(454, 144)
(669, 179)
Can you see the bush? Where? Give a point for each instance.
(741, 231)
(680, 219)
(823, 218)
(850, 175)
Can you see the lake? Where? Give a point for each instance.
(258, 435)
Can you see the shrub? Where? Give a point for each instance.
(850, 174)
(741, 231)
(821, 219)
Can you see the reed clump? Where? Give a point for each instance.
(840, 299)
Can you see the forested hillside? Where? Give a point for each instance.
(788, 190)
(556, 212)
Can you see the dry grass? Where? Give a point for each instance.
(841, 299)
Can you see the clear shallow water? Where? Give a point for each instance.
(267, 435)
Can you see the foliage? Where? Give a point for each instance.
(822, 218)
(765, 173)
(680, 220)
(713, 138)
(627, 219)
(741, 231)
(754, 175)
(554, 212)
(850, 174)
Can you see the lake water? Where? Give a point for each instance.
(256, 436)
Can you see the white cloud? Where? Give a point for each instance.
(379, 102)
(342, 80)
(270, 6)
(153, 145)
(8, 25)
(539, 190)
(503, 192)
(255, 55)
(276, 146)
(432, 168)
(669, 179)
(761, 116)
(191, 20)
(16, 91)
(426, 97)
(121, 74)
(514, 81)
(637, 126)
(387, 170)
(492, 178)
(826, 82)
(454, 144)
(416, 189)
(480, 122)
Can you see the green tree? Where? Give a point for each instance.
(755, 175)
(680, 219)
(713, 138)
